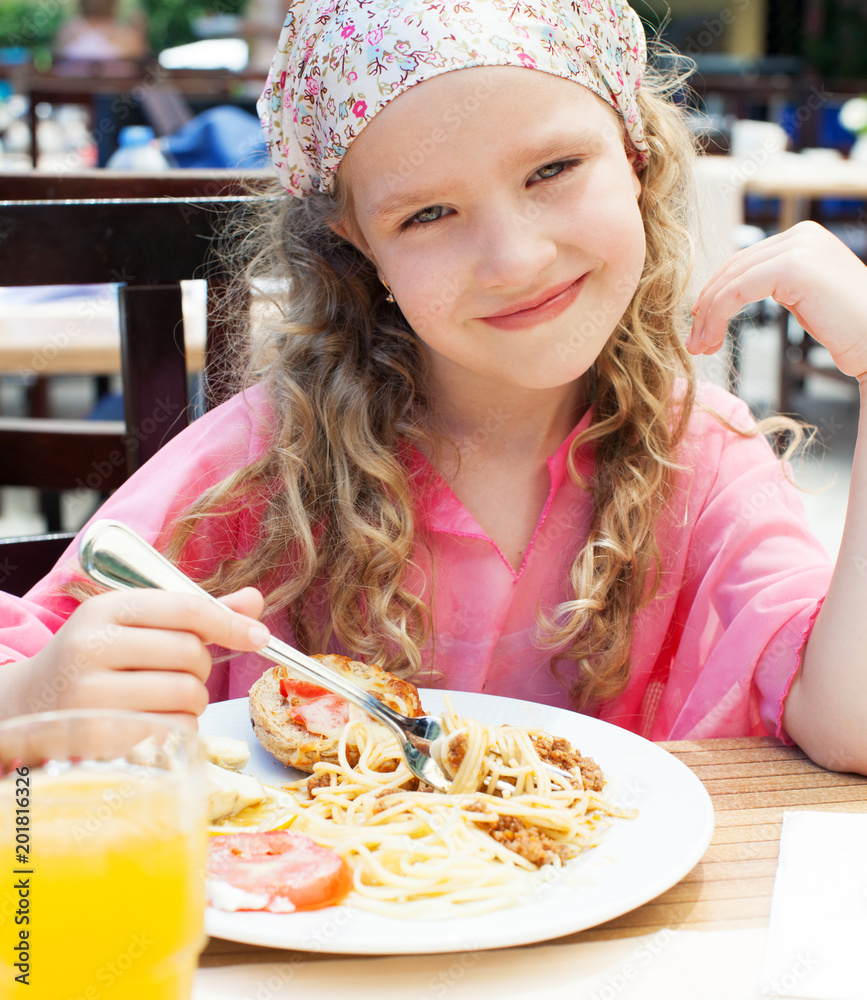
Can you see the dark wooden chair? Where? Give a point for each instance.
(32, 185)
(147, 246)
(25, 561)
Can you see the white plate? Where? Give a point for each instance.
(636, 860)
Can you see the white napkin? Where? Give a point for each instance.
(818, 928)
(667, 965)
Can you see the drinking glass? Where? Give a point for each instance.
(102, 857)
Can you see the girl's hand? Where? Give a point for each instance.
(807, 270)
(141, 649)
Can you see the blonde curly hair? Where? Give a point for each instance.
(346, 379)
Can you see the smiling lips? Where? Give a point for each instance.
(556, 301)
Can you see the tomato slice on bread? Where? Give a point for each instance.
(301, 689)
(277, 870)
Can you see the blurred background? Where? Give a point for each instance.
(776, 93)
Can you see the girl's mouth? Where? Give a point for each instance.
(556, 302)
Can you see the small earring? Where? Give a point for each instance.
(390, 296)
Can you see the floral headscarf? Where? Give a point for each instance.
(340, 62)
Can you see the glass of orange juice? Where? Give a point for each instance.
(102, 853)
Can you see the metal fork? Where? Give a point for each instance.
(114, 555)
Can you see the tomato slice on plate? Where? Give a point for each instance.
(280, 865)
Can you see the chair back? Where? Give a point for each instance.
(146, 246)
(25, 561)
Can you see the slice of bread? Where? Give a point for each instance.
(296, 746)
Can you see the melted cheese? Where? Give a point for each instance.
(325, 716)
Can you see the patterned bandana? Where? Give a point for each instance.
(340, 62)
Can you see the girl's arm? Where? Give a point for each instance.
(815, 276)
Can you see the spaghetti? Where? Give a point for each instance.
(478, 847)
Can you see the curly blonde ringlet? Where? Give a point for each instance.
(346, 379)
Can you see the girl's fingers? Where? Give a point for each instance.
(248, 601)
(159, 609)
(144, 650)
(123, 647)
(734, 267)
(807, 237)
(163, 691)
(726, 297)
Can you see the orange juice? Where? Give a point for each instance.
(110, 892)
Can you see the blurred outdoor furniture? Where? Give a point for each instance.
(33, 185)
(24, 561)
(799, 180)
(780, 88)
(161, 97)
(144, 248)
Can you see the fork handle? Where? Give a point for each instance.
(117, 557)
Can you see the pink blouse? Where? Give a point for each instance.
(712, 655)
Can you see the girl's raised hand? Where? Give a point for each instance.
(807, 270)
(142, 649)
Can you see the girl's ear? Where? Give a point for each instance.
(342, 229)
(348, 232)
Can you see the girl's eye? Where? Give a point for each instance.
(553, 169)
(433, 213)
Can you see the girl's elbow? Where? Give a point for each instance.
(835, 751)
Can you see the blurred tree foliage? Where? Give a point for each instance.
(30, 25)
(170, 22)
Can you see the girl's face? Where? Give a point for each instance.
(501, 207)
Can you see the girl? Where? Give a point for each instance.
(477, 453)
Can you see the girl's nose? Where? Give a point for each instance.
(514, 246)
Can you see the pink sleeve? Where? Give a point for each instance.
(753, 582)
(227, 438)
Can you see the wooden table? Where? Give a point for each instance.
(797, 179)
(81, 336)
(752, 782)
